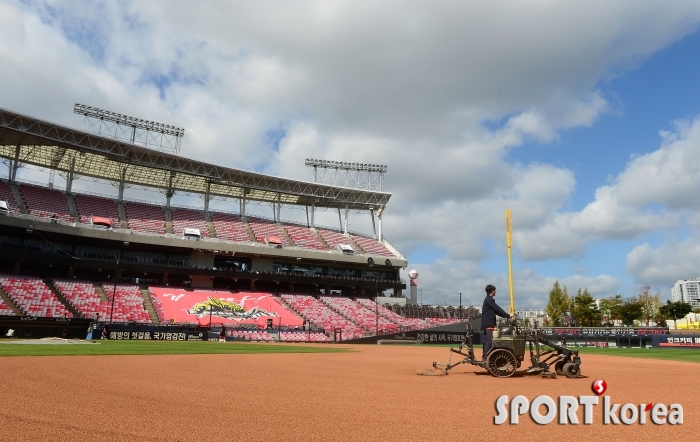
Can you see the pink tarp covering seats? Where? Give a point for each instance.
(101, 221)
(225, 307)
(274, 240)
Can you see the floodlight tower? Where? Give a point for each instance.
(360, 176)
(133, 130)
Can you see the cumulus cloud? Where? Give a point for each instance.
(441, 93)
(664, 265)
(667, 176)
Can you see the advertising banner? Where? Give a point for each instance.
(677, 341)
(201, 306)
(127, 335)
(634, 331)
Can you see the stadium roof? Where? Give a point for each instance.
(52, 146)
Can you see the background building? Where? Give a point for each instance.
(687, 291)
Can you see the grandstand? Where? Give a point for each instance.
(63, 265)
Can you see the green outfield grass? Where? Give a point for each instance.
(673, 354)
(156, 348)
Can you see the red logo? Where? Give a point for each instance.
(599, 387)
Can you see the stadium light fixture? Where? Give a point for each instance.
(359, 167)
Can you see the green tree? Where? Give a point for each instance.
(610, 309)
(631, 310)
(675, 310)
(585, 309)
(650, 303)
(558, 305)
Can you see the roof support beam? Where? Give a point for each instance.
(71, 174)
(207, 197)
(14, 165)
(122, 178)
(374, 227)
(169, 193)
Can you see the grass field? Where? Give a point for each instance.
(680, 354)
(155, 348)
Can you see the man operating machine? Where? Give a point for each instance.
(488, 317)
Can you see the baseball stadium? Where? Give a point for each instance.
(127, 319)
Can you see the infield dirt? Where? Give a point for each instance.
(372, 393)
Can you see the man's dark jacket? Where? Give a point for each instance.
(489, 311)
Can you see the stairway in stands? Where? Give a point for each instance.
(148, 303)
(285, 234)
(320, 238)
(349, 318)
(289, 307)
(122, 216)
(73, 209)
(10, 303)
(168, 220)
(100, 292)
(251, 235)
(18, 199)
(49, 283)
(210, 225)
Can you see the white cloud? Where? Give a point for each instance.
(439, 92)
(668, 176)
(664, 265)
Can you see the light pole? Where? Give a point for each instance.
(114, 291)
(376, 308)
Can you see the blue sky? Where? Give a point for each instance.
(580, 118)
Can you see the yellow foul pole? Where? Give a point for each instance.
(509, 231)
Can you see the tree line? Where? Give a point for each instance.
(581, 310)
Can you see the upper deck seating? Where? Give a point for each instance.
(33, 297)
(192, 219)
(229, 227)
(263, 228)
(89, 206)
(6, 195)
(372, 247)
(145, 218)
(334, 238)
(44, 203)
(304, 237)
(322, 316)
(359, 314)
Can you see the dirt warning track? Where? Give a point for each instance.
(370, 394)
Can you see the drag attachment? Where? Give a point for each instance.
(431, 372)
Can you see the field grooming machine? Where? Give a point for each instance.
(508, 352)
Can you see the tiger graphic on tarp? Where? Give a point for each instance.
(227, 310)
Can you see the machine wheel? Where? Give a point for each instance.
(559, 366)
(501, 363)
(571, 370)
